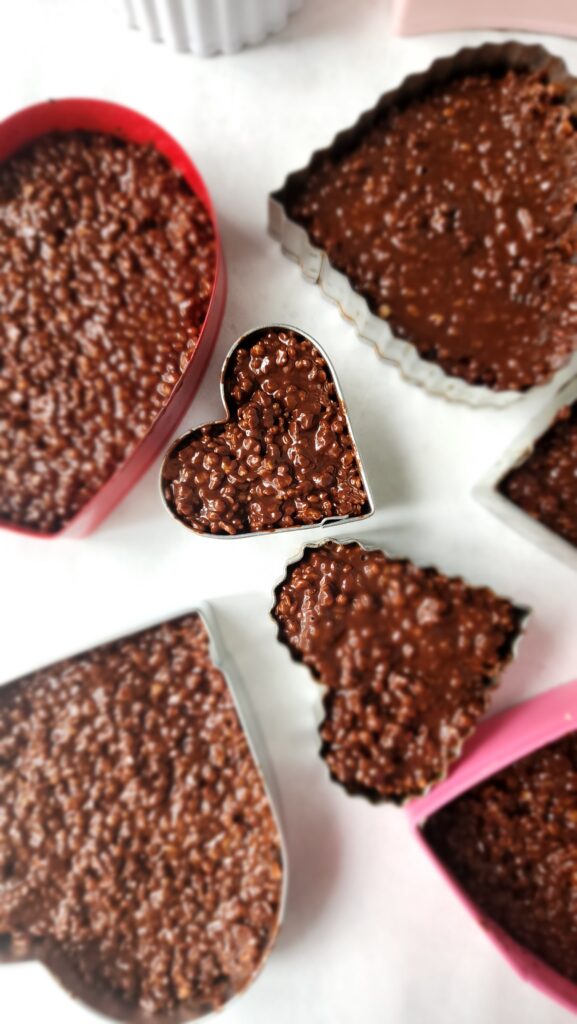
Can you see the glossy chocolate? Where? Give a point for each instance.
(545, 484)
(409, 659)
(139, 856)
(511, 843)
(453, 215)
(108, 263)
(284, 458)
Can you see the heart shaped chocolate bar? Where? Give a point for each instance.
(409, 658)
(140, 858)
(285, 456)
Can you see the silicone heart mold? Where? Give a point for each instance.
(284, 457)
(408, 659)
(140, 855)
(500, 742)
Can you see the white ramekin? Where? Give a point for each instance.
(206, 27)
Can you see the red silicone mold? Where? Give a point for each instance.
(99, 116)
(498, 742)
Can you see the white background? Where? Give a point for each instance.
(371, 934)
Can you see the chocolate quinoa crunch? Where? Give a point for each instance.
(108, 262)
(545, 484)
(511, 843)
(139, 856)
(453, 215)
(408, 657)
(284, 457)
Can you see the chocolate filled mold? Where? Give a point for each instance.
(140, 855)
(533, 487)
(284, 457)
(408, 659)
(509, 843)
(109, 262)
(545, 484)
(464, 173)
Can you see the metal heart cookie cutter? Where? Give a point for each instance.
(185, 485)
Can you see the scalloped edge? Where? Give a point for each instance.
(523, 612)
(315, 264)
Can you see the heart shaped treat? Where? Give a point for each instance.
(501, 828)
(140, 858)
(443, 222)
(544, 484)
(408, 657)
(111, 295)
(510, 843)
(285, 456)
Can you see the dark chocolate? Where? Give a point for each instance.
(284, 458)
(139, 856)
(511, 843)
(108, 263)
(409, 659)
(453, 215)
(545, 484)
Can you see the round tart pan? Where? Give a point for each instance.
(68, 115)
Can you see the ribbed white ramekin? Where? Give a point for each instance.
(206, 27)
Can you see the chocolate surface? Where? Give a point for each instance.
(108, 261)
(453, 215)
(284, 458)
(545, 484)
(511, 843)
(409, 658)
(139, 857)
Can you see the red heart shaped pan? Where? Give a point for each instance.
(176, 382)
(284, 458)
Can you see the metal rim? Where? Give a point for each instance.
(183, 438)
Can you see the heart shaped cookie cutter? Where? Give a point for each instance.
(97, 997)
(245, 341)
(92, 115)
(489, 491)
(500, 742)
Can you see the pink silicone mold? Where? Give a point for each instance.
(498, 742)
(416, 17)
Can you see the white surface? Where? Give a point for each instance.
(372, 935)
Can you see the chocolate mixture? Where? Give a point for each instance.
(545, 485)
(409, 659)
(285, 456)
(138, 852)
(453, 215)
(108, 262)
(512, 844)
